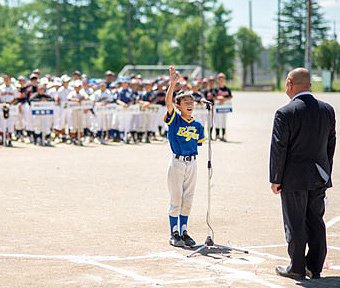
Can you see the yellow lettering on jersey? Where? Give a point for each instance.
(188, 132)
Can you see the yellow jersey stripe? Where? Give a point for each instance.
(201, 140)
(172, 117)
(189, 121)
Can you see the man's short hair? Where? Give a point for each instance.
(182, 95)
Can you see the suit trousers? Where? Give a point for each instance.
(303, 212)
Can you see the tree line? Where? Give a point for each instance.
(60, 36)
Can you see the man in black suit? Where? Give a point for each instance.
(301, 160)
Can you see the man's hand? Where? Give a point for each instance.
(276, 188)
(173, 75)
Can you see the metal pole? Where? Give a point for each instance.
(202, 39)
(308, 49)
(278, 64)
(57, 47)
(129, 28)
(252, 78)
(250, 15)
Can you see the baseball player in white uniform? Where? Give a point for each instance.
(102, 97)
(77, 118)
(62, 115)
(8, 93)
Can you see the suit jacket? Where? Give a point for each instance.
(303, 136)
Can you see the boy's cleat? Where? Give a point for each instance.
(188, 241)
(175, 240)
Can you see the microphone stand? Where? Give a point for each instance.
(209, 242)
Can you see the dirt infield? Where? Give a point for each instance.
(95, 216)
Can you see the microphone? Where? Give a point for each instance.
(205, 101)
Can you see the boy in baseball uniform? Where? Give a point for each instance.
(185, 134)
(8, 92)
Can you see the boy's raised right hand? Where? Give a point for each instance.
(174, 76)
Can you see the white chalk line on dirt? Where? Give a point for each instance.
(234, 273)
(92, 260)
(332, 222)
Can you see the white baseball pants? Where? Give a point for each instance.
(181, 180)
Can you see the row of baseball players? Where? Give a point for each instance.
(79, 124)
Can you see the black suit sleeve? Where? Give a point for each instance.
(331, 140)
(278, 150)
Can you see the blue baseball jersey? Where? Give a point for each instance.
(125, 95)
(184, 135)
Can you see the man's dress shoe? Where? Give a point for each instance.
(284, 273)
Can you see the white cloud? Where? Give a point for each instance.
(329, 3)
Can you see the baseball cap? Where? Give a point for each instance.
(205, 80)
(44, 81)
(194, 83)
(211, 78)
(41, 86)
(182, 95)
(33, 76)
(134, 81)
(57, 82)
(76, 72)
(221, 75)
(102, 83)
(112, 85)
(36, 71)
(109, 73)
(78, 83)
(147, 82)
(21, 78)
(126, 80)
(65, 78)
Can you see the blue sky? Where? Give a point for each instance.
(264, 16)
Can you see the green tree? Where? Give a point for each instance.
(293, 31)
(112, 52)
(188, 38)
(327, 56)
(221, 45)
(249, 48)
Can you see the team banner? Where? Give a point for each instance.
(83, 105)
(227, 107)
(133, 109)
(42, 108)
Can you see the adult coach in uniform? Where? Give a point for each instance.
(301, 159)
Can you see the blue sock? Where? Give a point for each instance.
(173, 223)
(183, 221)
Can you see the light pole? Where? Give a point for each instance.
(278, 65)
(202, 39)
(308, 48)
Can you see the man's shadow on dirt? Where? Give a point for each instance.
(329, 282)
(214, 252)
